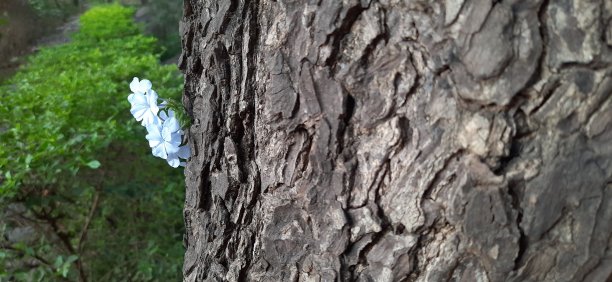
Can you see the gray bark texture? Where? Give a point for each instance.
(398, 140)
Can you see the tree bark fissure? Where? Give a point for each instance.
(455, 140)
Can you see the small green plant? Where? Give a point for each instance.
(72, 156)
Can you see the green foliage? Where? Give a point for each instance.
(74, 157)
(110, 23)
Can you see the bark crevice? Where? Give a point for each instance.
(397, 140)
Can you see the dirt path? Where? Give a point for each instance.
(61, 34)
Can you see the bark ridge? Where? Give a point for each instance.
(462, 140)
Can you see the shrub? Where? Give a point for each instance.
(68, 138)
(108, 23)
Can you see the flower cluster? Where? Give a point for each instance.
(163, 129)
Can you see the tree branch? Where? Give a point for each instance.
(92, 210)
(83, 236)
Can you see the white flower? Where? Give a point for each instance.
(164, 131)
(163, 115)
(183, 153)
(140, 86)
(165, 138)
(144, 107)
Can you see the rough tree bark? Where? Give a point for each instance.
(414, 140)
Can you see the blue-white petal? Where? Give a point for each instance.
(154, 136)
(173, 161)
(184, 152)
(135, 85)
(172, 124)
(145, 85)
(171, 148)
(159, 152)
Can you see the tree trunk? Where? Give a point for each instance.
(395, 140)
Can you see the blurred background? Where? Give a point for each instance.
(81, 196)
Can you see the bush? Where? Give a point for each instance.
(108, 23)
(68, 138)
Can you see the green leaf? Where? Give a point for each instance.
(28, 160)
(72, 258)
(59, 261)
(94, 164)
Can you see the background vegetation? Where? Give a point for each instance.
(55, 8)
(165, 15)
(81, 196)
